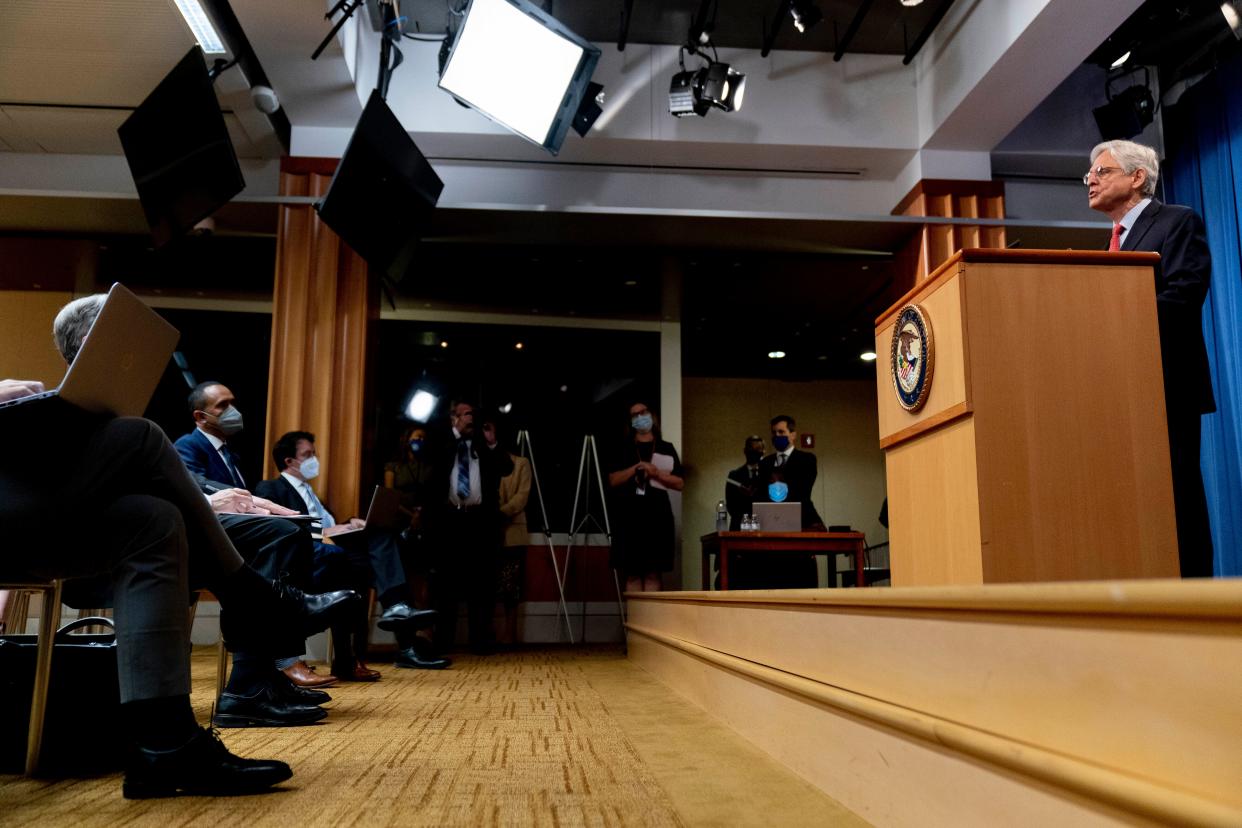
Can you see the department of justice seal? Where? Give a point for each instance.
(912, 358)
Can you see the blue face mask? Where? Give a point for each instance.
(780, 442)
(778, 491)
(416, 446)
(309, 468)
(642, 423)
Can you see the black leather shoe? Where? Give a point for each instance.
(404, 618)
(315, 613)
(201, 766)
(265, 708)
(294, 694)
(412, 659)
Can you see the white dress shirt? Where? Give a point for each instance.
(476, 485)
(312, 501)
(1131, 216)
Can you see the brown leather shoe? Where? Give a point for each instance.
(303, 675)
(358, 672)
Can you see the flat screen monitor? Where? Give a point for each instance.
(179, 151)
(382, 193)
(520, 67)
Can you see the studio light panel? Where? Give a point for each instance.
(520, 68)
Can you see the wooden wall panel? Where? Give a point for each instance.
(324, 304)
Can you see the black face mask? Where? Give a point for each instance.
(753, 456)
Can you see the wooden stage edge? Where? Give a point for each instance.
(1100, 703)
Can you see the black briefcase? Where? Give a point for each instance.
(81, 730)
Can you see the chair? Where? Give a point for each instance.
(49, 622)
(222, 655)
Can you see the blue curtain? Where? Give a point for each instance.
(1203, 137)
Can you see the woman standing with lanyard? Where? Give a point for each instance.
(643, 538)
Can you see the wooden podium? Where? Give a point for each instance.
(1040, 452)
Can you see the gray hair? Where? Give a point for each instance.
(74, 322)
(1131, 157)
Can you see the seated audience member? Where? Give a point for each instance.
(465, 530)
(278, 550)
(358, 558)
(140, 520)
(410, 476)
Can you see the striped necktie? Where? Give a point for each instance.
(463, 471)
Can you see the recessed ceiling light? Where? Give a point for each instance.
(200, 26)
(776, 354)
(443, 343)
(822, 357)
(1121, 61)
(518, 345)
(506, 408)
(867, 356)
(631, 282)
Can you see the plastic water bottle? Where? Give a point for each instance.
(754, 524)
(746, 523)
(722, 517)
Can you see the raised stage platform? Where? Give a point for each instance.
(1046, 704)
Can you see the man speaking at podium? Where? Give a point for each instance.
(1122, 184)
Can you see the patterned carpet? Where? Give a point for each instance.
(542, 737)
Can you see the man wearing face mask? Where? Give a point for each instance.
(357, 556)
(205, 450)
(798, 469)
(743, 484)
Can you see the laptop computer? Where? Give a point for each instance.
(120, 361)
(779, 517)
(383, 513)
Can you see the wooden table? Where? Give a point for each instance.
(782, 543)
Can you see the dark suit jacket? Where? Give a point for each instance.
(1182, 280)
(204, 462)
(799, 473)
(493, 465)
(739, 500)
(281, 491)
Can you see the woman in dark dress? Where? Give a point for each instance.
(645, 469)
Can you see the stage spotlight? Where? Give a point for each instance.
(682, 98)
(520, 67)
(805, 14)
(714, 85)
(723, 87)
(421, 406)
(1233, 19)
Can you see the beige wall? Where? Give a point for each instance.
(717, 415)
(26, 349)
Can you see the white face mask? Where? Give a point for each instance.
(309, 468)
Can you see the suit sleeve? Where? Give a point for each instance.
(1186, 264)
(191, 456)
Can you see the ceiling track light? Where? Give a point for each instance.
(713, 85)
(805, 14)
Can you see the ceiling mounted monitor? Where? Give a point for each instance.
(179, 151)
(520, 67)
(383, 192)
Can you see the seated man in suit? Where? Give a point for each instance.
(254, 695)
(141, 523)
(357, 559)
(798, 469)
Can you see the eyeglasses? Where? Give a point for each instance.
(1098, 172)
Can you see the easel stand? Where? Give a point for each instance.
(590, 458)
(525, 449)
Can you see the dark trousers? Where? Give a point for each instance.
(274, 548)
(114, 499)
(467, 561)
(1194, 534)
(346, 567)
